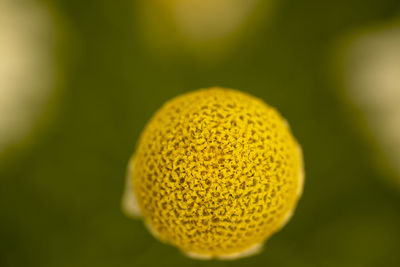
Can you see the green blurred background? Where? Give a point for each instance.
(61, 186)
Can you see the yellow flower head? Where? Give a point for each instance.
(216, 173)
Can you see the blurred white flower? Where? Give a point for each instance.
(200, 27)
(201, 20)
(26, 68)
(372, 77)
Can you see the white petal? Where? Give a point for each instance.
(255, 249)
(130, 205)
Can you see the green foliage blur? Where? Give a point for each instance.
(60, 193)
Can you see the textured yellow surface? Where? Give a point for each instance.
(216, 171)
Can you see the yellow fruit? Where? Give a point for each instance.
(216, 172)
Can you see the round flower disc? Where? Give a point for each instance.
(216, 173)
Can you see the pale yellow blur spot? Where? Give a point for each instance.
(203, 29)
(26, 69)
(201, 20)
(372, 77)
